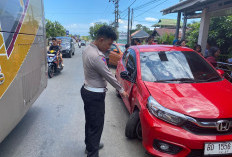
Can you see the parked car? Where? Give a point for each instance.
(67, 46)
(179, 104)
(115, 53)
(83, 43)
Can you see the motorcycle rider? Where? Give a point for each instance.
(61, 56)
(56, 48)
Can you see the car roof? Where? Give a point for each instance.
(152, 48)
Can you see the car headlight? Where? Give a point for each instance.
(165, 114)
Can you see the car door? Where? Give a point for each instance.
(131, 68)
(122, 66)
(113, 55)
(118, 55)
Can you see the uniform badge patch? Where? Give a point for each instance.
(104, 60)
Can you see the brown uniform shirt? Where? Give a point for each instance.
(96, 70)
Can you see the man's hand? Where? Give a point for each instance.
(125, 94)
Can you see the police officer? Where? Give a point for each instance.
(94, 89)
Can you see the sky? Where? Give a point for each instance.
(78, 15)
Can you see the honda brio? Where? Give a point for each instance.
(179, 104)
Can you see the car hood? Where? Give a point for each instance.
(199, 100)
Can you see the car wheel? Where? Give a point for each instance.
(132, 124)
(70, 54)
(139, 131)
(117, 93)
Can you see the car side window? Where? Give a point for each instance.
(125, 57)
(131, 63)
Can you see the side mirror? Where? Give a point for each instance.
(221, 72)
(115, 50)
(125, 75)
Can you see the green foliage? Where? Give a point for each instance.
(141, 27)
(86, 38)
(192, 34)
(93, 29)
(166, 38)
(54, 29)
(220, 33)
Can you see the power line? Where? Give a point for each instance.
(151, 8)
(74, 13)
(140, 21)
(145, 4)
(129, 6)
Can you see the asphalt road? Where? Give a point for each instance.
(54, 125)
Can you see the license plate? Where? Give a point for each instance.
(219, 148)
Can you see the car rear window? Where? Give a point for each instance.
(176, 66)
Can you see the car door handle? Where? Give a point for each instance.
(2, 78)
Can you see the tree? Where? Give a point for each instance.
(141, 27)
(54, 29)
(220, 33)
(93, 29)
(166, 39)
(86, 38)
(192, 34)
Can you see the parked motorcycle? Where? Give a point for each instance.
(52, 63)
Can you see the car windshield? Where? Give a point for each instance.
(64, 41)
(122, 48)
(176, 66)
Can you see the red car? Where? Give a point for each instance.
(179, 104)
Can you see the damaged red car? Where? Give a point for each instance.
(179, 104)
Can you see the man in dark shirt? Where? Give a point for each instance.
(56, 48)
(54, 45)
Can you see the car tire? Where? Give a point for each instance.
(70, 54)
(117, 93)
(132, 125)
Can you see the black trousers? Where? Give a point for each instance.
(94, 106)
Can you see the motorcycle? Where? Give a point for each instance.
(52, 63)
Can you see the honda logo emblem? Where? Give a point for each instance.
(223, 125)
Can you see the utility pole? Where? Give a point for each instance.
(132, 18)
(178, 24)
(116, 12)
(128, 28)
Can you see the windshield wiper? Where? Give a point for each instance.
(210, 79)
(185, 80)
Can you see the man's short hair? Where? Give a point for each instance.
(127, 46)
(54, 39)
(106, 32)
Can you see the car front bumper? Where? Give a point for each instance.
(154, 130)
(65, 52)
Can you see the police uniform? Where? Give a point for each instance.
(93, 94)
